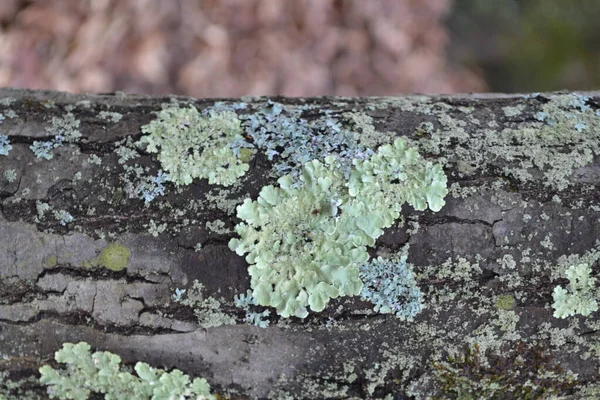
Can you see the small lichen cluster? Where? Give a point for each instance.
(65, 130)
(390, 285)
(581, 295)
(10, 175)
(190, 145)
(5, 145)
(17, 389)
(100, 373)
(63, 217)
(245, 301)
(546, 139)
(305, 244)
(150, 187)
(207, 309)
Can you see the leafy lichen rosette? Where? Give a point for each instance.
(305, 244)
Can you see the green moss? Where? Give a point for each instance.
(114, 257)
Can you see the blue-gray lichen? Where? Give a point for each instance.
(390, 285)
(291, 141)
(65, 130)
(5, 145)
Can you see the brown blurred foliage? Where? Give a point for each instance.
(230, 48)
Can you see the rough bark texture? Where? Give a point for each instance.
(523, 174)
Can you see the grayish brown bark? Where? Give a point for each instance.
(523, 206)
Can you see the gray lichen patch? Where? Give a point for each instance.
(552, 139)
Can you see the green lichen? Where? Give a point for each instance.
(191, 146)
(218, 227)
(100, 373)
(580, 298)
(14, 389)
(505, 302)
(305, 244)
(113, 117)
(114, 257)
(156, 229)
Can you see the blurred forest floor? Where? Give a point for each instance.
(231, 48)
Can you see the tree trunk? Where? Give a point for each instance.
(95, 250)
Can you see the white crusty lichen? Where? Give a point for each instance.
(190, 145)
(305, 244)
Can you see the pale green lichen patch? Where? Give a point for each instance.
(190, 145)
(218, 227)
(115, 257)
(10, 175)
(580, 296)
(100, 373)
(305, 244)
(10, 388)
(50, 261)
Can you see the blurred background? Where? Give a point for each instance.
(231, 48)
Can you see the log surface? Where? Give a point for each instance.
(524, 205)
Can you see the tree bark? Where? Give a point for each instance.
(523, 206)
